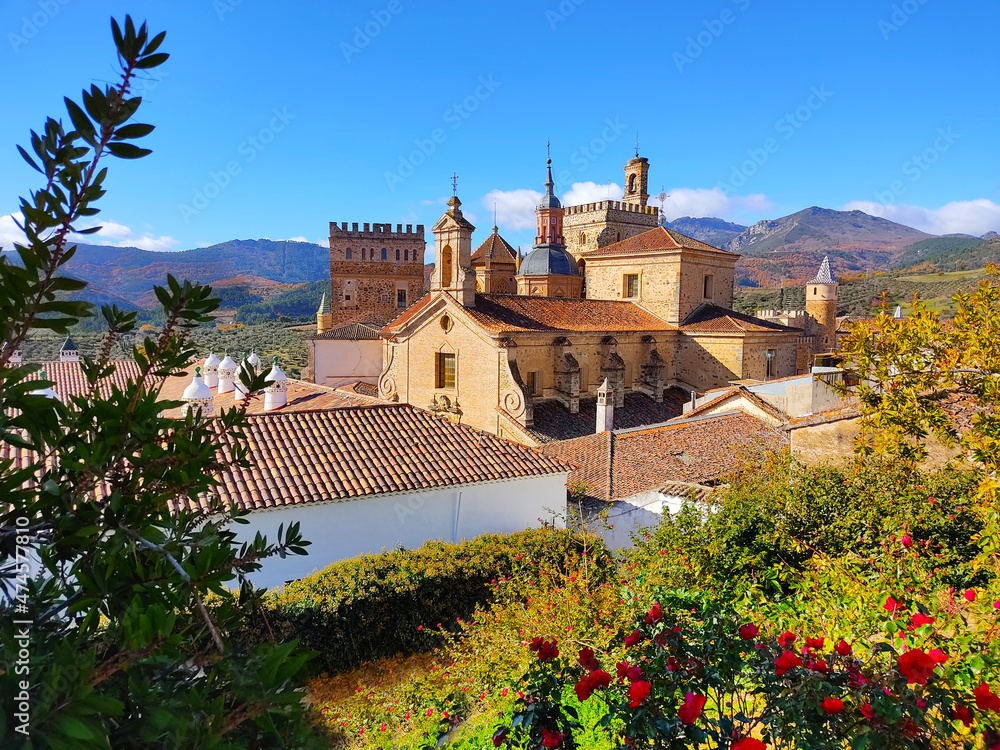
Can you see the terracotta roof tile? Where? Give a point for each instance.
(696, 452)
(344, 454)
(658, 238)
(552, 420)
(745, 393)
(496, 249)
(352, 332)
(713, 319)
(511, 313)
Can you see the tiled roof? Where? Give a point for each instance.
(552, 420)
(659, 238)
(352, 332)
(70, 381)
(713, 319)
(407, 315)
(361, 388)
(743, 393)
(511, 313)
(626, 463)
(302, 396)
(496, 249)
(345, 454)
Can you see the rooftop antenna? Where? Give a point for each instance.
(454, 185)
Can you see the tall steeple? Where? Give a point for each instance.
(453, 255)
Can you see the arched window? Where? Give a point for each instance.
(348, 254)
(384, 253)
(631, 184)
(397, 254)
(406, 255)
(446, 266)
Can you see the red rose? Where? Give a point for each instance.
(786, 661)
(916, 666)
(867, 712)
(891, 605)
(749, 632)
(500, 736)
(985, 699)
(622, 670)
(653, 615)
(939, 656)
(637, 693)
(749, 743)
(818, 666)
(970, 595)
(552, 739)
(634, 674)
(691, 709)
(833, 706)
(917, 620)
(843, 648)
(906, 542)
(814, 643)
(587, 660)
(633, 639)
(964, 715)
(786, 639)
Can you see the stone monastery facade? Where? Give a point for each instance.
(606, 295)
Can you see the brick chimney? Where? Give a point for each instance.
(605, 407)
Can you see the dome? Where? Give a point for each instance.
(548, 260)
(275, 375)
(211, 360)
(227, 363)
(253, 360)
(197, 390)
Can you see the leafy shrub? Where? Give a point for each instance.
(770, 523)
(375, 606)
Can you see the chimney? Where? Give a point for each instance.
(605, 407)
(69, 352)
(198, 396)
(276, 393)
(227, 375)
(211, 368)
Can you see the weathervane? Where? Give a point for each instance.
(637, 144)
(548, 150)
(454, 185)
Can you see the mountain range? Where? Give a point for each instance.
(280, 277)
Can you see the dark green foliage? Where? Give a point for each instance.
(950, 253)
(371, 606)
(770, 523)
(123, 653)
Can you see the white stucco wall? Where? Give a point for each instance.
(338, 362)
(627, 517)
(339, 530)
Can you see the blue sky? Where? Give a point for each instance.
(275, 119)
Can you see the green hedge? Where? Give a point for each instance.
(371, 606)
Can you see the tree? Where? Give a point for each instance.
(907, 370)
(121, 637)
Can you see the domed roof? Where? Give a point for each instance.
(548, 260)
(253, 360)
(549, 200)
(197, 389)
(275, 375)
(211, 360)
(227, 363)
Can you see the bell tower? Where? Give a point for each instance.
(453, 255)
(637, 181)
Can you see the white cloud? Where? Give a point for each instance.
(704, 202)
(591, 192)
(515, 208)
(295, 239)
(112, 233)
(976, 217)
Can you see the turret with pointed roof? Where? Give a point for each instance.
(495, 265)
(821, 307)
(69, 352)
(453, 255)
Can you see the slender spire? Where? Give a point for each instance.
(825, 275)
(550, 200)
(494, 216)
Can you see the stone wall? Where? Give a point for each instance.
(593, 225)
(363, 287)
(671, 282)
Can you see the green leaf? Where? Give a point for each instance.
(135, 130)
(127, 150)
